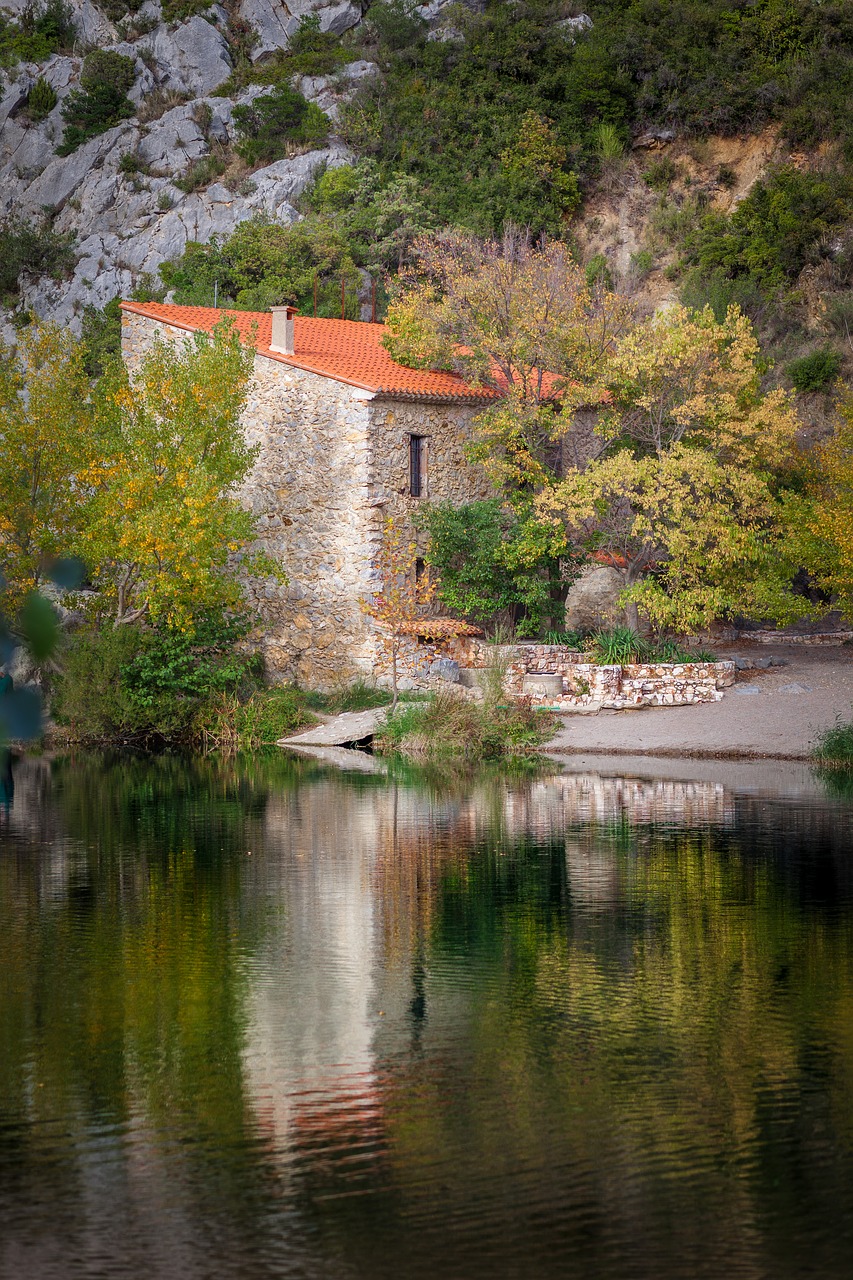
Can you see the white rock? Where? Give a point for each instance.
(275, 22)
(192, 58)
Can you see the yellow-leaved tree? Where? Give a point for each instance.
(165, 534)
(46, 447)
(684, 492)
(822, 518)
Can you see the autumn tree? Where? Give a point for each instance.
(47, 445)
(821, 520)
(403, 593)
(165, 533)
(684, 491)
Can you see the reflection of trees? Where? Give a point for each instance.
(675, 1038)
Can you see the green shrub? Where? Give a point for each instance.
(37, 33)
(619, 646)
(275, 121)
(101, 336)
(815, 372)
(131, 682)
(41, 100)
(661, 173)
(200, 173)
(484, 572)
(396, 24)
(100, 102)
(33, 247)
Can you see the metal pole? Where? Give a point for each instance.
(215, 294)
(343, 297)
(373, 302)
(315, 295)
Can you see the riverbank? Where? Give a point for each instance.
(774, 713)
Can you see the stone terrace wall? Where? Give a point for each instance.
(588, 684)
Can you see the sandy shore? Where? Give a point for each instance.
(774, 714)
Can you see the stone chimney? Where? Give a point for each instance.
(282, 330)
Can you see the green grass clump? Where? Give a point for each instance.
(450, 727)
(621, 646)
(834, 746)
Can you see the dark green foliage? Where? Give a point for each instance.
(41, 100)
(475, 550)
(34, 247)
(179, 10)
(100, 102)
(101, 336)
(661, 173)
(264, 264)
(396, 24)
(621, 645)
(135, 683)
(312, 52)
(354, 219)
(39, 31)
(784, 224)
(815, 372)
(276, 120)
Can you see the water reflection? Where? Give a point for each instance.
(265, 1019)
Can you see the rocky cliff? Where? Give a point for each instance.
(118, 193)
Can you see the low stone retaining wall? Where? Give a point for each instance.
(555, 676)
(820, 638)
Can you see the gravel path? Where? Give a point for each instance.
(772, 713)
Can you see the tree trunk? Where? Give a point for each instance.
(632, 615)
(394, 674)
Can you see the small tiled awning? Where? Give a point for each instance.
(440, 628)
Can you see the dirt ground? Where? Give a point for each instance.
(774, 713)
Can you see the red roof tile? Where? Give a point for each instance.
(348, 351)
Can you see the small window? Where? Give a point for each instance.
(420, 568)
(416, 465)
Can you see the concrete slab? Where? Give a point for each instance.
(351, 726)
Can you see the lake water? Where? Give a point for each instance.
(270, 1019)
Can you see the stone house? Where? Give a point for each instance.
(346, 438)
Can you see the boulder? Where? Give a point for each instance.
(571, 28)
(275, 22)
(445, 669)
(193, 58)
(592, 599)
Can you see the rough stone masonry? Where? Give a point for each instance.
(333, 463)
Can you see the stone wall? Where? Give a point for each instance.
(554, 675)
(333, 462)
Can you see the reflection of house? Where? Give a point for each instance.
(346, 438)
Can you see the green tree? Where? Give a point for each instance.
(165, 533)
(47, 445)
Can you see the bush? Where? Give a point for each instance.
(815, 372)
(270, 124)
(33, 247)
(200, 173)
(396, 24)
(483, 571)
(146, 684)
(621, 646)
(41, 100)
(100, 102)
(37, 33)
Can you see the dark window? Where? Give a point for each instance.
(416, 460)
(419, 569)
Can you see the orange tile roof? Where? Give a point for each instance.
(348, 351)
(436, 628)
